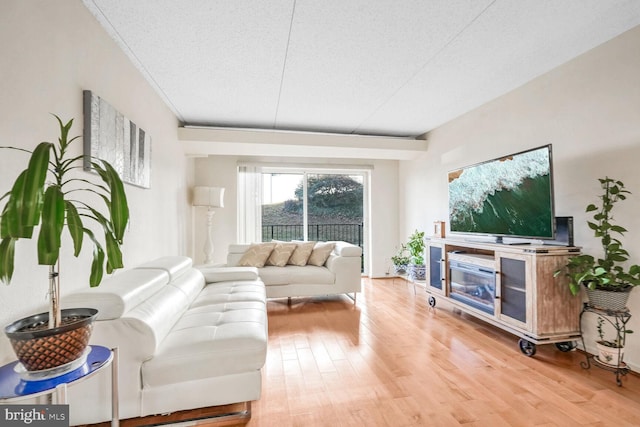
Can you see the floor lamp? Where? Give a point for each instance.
(209, 197)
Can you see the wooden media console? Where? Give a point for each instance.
(509, 286)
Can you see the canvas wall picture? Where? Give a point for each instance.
(110, 136)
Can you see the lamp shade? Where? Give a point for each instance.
(212, 197)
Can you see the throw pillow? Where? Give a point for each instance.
(256, 255)
(320, 253)
(281, 254)
(302, 253)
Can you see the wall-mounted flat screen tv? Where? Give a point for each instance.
(511, 196)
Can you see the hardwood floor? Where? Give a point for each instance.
(393, 361)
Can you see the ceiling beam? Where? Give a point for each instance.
(205, 141)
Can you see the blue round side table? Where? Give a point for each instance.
(14, 387)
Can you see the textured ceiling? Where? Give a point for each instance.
(381, 67)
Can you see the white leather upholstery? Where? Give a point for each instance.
(160, 312)
(173, 265)
(190, 284)
(231, 291)
(294, 274)
(183, 344)
(347, 249)
(118, 293)
(242, 387)
(222, 274)
(208, 344)
(341, 273)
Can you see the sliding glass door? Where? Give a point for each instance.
(282, 215)
(318, 205)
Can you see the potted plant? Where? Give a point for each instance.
(415, 245)
(611, 352)
(606, 279)
(401, 260)
(44, 195)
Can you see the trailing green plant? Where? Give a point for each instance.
(44, 195)
(416, 246)
(608, 272)
(402, 256)
(621, 333)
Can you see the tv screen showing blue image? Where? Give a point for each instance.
(511, 196)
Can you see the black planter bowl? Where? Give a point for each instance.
(39, 348)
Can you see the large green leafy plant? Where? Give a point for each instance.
(609, 272)
(45, 195)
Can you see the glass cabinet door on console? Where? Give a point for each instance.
(436, 273)
(514, 289)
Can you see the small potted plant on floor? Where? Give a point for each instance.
(607, 280)
(416, 246)
(45, 196)
(401, 260)
(611, 352)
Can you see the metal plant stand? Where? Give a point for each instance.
(618, 319)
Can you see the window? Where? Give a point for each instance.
(294, 204)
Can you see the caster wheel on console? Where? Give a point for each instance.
(526, 347)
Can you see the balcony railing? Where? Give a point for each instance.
(351, 233)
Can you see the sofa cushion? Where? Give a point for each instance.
(161, 312)
(236, 250)
(174, 265)
(207, 343)
(281, 254)
(295, 275)
(119, 293)
(320, 253)
(216, 293)
(190, 283)
(346, 249)
(302, 253)
(206, 307)
(224, 274)
(256, 255)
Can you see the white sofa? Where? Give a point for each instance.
(183, 343)
(341, 273)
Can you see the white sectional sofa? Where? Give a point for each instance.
(183, 342)
(341, 273)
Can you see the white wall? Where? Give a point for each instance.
(50, 52)
(216, 171)
(589, 109)
(221, 171)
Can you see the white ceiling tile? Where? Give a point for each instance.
(347, 58)
(212, 59)
(509, 45)
(358, 66)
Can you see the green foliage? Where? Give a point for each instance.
(402, 256)
(604, 273)
(416, 246)
(329, 195)
(50, 204)
(621, 332)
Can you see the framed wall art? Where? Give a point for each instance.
(110, 136)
